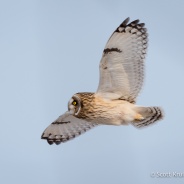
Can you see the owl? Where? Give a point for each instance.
(121, 79)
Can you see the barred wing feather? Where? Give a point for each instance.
(122, 63)
(65, 128)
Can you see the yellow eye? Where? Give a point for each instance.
(74, 103)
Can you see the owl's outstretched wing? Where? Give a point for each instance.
(122, 63)
(65, 128)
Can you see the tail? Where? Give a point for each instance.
(149, 116)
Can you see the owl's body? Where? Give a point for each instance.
(105, 111)
(121, 79)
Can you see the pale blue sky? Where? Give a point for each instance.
(51, 50)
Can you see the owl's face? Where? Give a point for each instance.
(80, 104)
(74, 105)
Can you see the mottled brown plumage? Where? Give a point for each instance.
(87, 105)
(93, 108)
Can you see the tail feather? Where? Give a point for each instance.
(150, 115)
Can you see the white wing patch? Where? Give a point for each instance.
(122, 63)
(65, 128)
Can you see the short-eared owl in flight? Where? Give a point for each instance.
(121, 79)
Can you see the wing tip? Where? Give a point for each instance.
(54, 139)
(124, 23)
(134, 24)
(50, 140)
(43, 137)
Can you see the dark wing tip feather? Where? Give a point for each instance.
(50, 141)
(134, 22)
(124, 23)
(42, 136)
(57, 139)
(141, 24)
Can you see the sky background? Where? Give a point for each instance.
(50, 50)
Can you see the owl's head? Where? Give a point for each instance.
(74, 105)
(80, 104)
